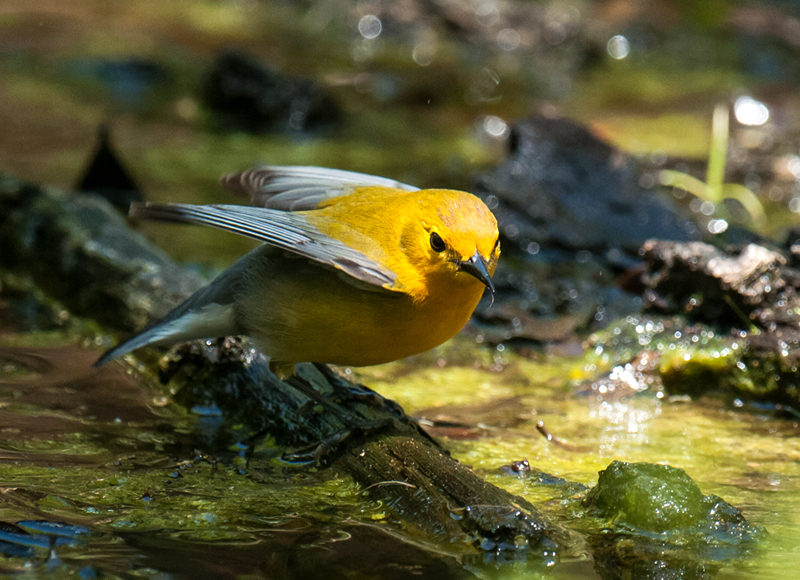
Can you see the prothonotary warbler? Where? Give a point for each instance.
(354, 270)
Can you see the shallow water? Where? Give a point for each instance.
(747, 457)
(106, 450)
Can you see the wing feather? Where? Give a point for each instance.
(282, 229)
(297, 187)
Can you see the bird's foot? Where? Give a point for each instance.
(347, 392)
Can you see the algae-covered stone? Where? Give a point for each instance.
(654, 522)
(658, 499)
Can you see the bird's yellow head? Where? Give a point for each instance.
(452, 239)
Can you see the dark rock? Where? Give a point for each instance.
(247, 96)
(572, 217)
(520, 468)
(712, 285)
(523, 470)
(552, 298)
(769, 367)
(505, 530)
(748, 293)
(107, 176)
(92, 262)
(563, 187)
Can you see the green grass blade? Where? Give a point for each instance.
(685, 182)
(715, 175)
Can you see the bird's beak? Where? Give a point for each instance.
(476, 266)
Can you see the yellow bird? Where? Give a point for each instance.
(354, 270)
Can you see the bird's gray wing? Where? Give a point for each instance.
(298, 188)
(286, 230)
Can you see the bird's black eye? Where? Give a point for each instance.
(437, 243)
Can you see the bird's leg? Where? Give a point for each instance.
(352, 421)
(361, 394)
(303, 386)
(350, 418)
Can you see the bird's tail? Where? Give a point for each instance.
(209, 321)
(140, 340)
(208, 313)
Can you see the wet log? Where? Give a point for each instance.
(80, 250)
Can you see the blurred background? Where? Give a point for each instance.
(425, 91)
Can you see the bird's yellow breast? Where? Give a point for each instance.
(316, 314)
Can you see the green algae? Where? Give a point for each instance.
(641, 428)
(73, 445)
(693, 360)
(197, 500)
(662, 500)
(654, 516)
(52, 322)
